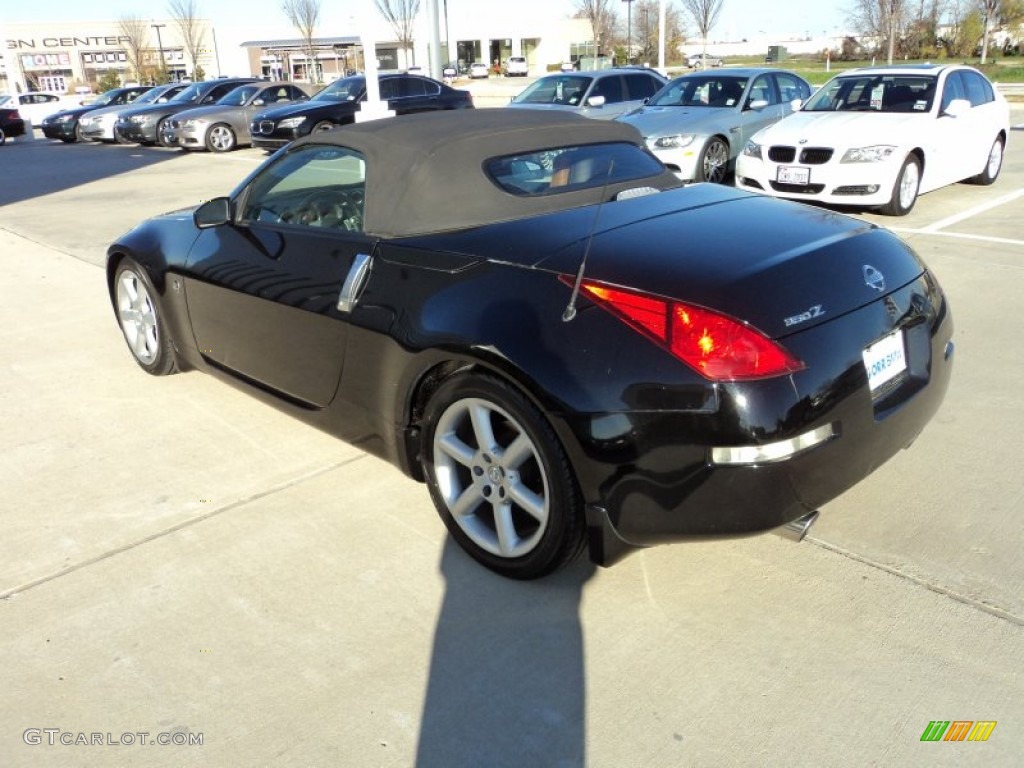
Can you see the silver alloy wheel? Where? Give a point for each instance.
(491, 478)
(138, 319)
(221, 138)
(909, 182)
(715, 161)
(995, 159)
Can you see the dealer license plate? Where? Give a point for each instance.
(885, 360)
(789, 174)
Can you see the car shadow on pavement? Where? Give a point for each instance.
(507, 678)
(41, 167)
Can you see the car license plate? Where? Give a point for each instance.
(885, 360)
(789, 174)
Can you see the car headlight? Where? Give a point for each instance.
(874, 154)
(752, 149)
(673, 142)
(291, 122)
(65, 118)
(141, 119)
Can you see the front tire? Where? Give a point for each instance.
(220, 138)
(904, 191)
(993, 165)
(713, 165)
(500, 479)
(142, 321)
(162, 133)
(323, 125)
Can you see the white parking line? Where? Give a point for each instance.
(971, 212)
(960, 235)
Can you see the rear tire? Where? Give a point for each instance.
(142, 320)
(993, 165)
(904, 191)
(499, 478)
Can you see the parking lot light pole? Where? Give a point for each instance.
(160, 46)
(629, 31)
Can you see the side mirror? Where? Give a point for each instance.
(957, 108)
(213, 213)
(258, 102)
(757, 104)
(596, 101)
(795, 104)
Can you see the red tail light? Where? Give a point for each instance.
(716, 346)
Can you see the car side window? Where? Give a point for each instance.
(762, 90)
(315, 186)
(641, 86)
(388, 89)
(610, 87)
(791, 87)
(952, 90)
(296, 94)
(978, 89)
(412, 86)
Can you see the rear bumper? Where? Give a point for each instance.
(658, 479)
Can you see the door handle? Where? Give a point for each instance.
(354, 282)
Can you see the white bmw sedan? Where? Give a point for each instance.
(878, 137)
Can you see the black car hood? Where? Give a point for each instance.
(781, 266)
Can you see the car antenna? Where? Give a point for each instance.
(570, 308)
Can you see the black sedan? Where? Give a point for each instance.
(151, 124)
(64, 125)
(562, 346)
(338, 103)
(12, 125)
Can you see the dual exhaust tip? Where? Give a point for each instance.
(795, 530)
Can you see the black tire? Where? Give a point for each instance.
(713, 165)
(3, 137)
(993, 164)
(531, 491)
(220, 138)
(160, 133)
(904, 191)
(141, 318)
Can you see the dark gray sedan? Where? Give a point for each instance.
(698, 123)
(224, 126)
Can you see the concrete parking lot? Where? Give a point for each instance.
(189, 578)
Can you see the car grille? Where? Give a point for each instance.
(263, 126)
(808, 155)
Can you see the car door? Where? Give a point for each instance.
(267, 292)
(951, 142)
(762, 88)
(407, 95)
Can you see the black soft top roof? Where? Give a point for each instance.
(424, 172)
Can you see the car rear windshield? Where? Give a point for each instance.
(566, 169)
(875, 93)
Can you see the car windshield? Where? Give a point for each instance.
(5, 100)
(701, 91)
(105, 98)
(873, 92)
(555, 89)
(566, 169)
(239, 96)
(191, 94)
(345, 89)
(149, 97)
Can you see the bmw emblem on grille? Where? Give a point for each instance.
(873, 278)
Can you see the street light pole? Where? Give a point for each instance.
(160, 45)
(629, 31)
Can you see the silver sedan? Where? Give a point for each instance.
(224, 126)
(698, 123)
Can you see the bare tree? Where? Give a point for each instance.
(705, 16)
(883, 19)
(601, 17)
(645, 28)
(401, 14)
(135, 33)
(185, 14)
(991, 11)
(305, 16)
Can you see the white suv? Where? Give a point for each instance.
(516, 66)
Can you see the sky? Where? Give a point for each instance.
(751, 19)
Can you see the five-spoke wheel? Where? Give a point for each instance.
(138, 312)
(220, 138)
(500, 479)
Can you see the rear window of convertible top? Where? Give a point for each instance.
(565, 169)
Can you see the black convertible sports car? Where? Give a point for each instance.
(527, 311)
